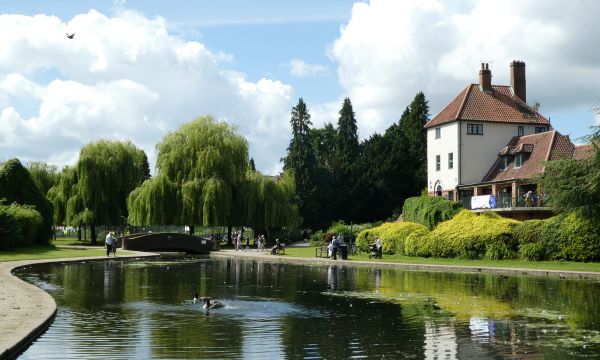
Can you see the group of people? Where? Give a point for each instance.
(111, 243)
(334, 246)
(238, 242)
(376, 249)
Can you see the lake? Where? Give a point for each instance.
(122, 309)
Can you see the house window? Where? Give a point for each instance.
(518, 160)
(503, 162)
(475, 129)
(520, 131)
(438, 163)
(438, 133)
(450, 160)
(451, 195)
(540, 129)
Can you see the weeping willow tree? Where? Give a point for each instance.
(199, 170)
(95, 191)
(269, 201)
(204, 179)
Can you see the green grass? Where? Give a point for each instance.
(48, 252)
(309, 252)
(73, 241)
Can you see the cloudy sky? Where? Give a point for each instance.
(138, 69)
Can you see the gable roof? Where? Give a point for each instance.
(499, 105)
(545, 146)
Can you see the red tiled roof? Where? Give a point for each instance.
(549, 145)
(498, 105)
(583, 151)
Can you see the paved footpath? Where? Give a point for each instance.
(266, 255)
(26, 311)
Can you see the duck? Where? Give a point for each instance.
(195, 300)
(210, 303)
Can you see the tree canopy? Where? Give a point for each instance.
(204, 177)
(574, 185)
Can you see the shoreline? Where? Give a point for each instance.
(571, 274)
(27, 311)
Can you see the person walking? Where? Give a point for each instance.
(109, 243)
(336, 246)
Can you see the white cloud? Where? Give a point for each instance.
(123, 77)
(300, 68)
(389, 50)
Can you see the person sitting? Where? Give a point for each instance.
(276, 247)
(210, 303)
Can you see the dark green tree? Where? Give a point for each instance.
(17, 186)
(413, 130)
(44, 175)
(302, 162)
(347, 147)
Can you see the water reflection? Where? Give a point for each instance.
(120, 309)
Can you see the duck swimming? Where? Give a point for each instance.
(209, 303)
(196, 299)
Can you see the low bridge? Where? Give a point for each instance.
(166, 242)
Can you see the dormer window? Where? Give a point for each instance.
(518, 160)
(540, 129)
(503, 162)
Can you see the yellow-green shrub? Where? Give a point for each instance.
(471, 236)
(414, 242)
(393, 236)
(20, 225)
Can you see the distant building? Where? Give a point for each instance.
(489, 142)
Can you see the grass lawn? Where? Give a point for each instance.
(309, 252)
(73, 241)
(48, 252)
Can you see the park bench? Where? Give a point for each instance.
(322, 252)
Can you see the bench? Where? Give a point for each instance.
(322, 252)
(280, 249)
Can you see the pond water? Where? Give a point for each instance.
(122, 309)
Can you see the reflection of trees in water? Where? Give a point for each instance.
(341, 311)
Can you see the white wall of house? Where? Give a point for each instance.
(447, 143)
(479, 152)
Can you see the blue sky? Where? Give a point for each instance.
(138, 69)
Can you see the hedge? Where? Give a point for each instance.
(17, 186)
(564, 237)
(20, 225)
(471, 236)
(393, 236)
(429, 210)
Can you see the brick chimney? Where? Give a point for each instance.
(485, 78)
(517, 79)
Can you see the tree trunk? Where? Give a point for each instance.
(85, 233)
(229, 239)
(93, 233)
(79, 233)
(192, 229)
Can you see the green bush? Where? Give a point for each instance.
(340, 228)
(580, 239)
(528, 234)
(393, 236)
(413, 244)
(17, 186)
(429, 210)
(472, 236)
(316, 239)
(563, 237)
(20, 225)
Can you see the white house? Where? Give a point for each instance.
(465, 137)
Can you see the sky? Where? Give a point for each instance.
(138, 69)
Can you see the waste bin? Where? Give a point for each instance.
(344, 252)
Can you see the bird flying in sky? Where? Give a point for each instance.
(70, 36)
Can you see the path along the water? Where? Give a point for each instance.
(26, 311)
